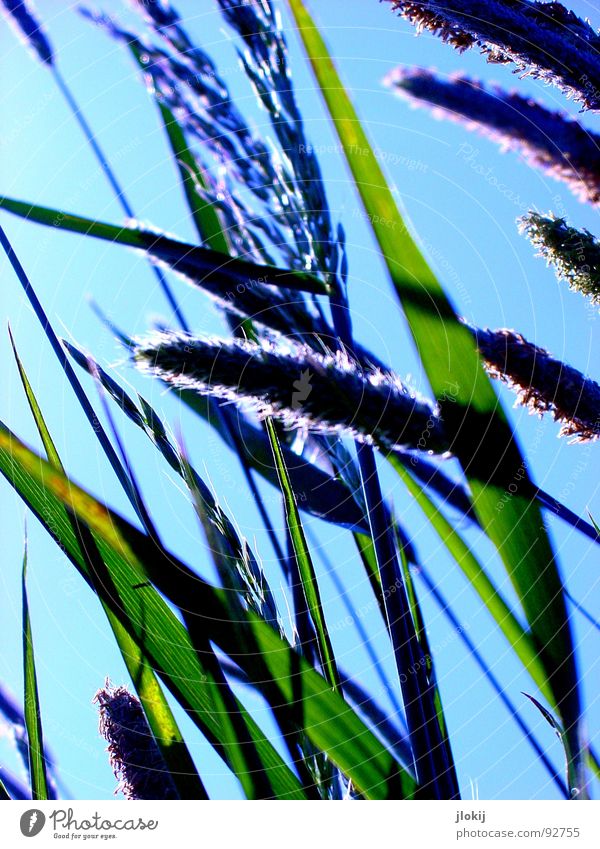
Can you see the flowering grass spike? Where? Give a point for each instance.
(543, 40)
(134, 755)
(552, 141)
(373, 406)
(542, 383)
(574, 254)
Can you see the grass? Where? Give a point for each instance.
(270, 256)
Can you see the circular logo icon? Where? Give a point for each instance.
(32, 822)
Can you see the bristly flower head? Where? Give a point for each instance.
(20, 15)
(133, 752)
(543, 384)
(575, 254)
(559, 145)
(372, 406)
(543, 40)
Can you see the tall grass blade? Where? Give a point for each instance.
(521, 641)
(208, 268)
(142, 615)
(270, 663)
(158, 712)
(303, 562)
(33, 716)
(494, 681)
(63, 359)
(481, 436)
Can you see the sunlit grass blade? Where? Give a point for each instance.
(270, 663)
(33, 715)
(481, 436)
(158, 712)
(141, 614)
(303, 562)
(205, 266)
(521, 642)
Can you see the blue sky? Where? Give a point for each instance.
(466, 224)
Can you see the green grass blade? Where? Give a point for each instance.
(520, 641)
(206, 266)
(270, 662)
(556, 727)
(304, 565)
(159, 714)
(205, 216)
(156, 631)
(32, 711)
(206, 219)
(482, 439)
(427, 655)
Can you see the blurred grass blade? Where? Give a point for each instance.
(304, 565)
(159, 714)
(11, 788)
(31, 32)
(481, 436)
(271, 663)
(33, 716)
(4, 794)
(204, 266)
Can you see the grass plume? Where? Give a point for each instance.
(559, 145)
(133, 753)
(327, 393)
(543, 383)
(574, 254)
(543, 40)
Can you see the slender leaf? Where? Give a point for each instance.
(304, 565)
(520, 641)
(557, 728)
(160, 717)
(482, 439)
(33, 715)
(270, 663)
(159, 636)
(205, 266)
